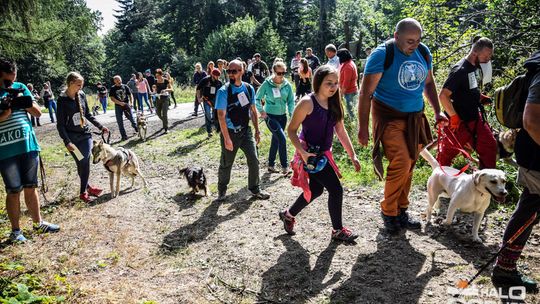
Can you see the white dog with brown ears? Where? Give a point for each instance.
(469, 193)
(117, 162)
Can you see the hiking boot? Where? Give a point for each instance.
(94, 191)
(344, 234)
(285, 171)
(406, 222)
(124, 138)
(221, 196)
(391, 223)
(85, 197)
(16, 236)
(272, 169)
(288, 222)
(46, 227)
(504, 278)
(262, 195)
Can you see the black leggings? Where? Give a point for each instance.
(83, 166)
(328, 179)
(528, 204)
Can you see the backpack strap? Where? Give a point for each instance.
(389, 56)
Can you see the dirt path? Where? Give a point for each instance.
(164, 245)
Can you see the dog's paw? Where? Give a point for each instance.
(477, 240)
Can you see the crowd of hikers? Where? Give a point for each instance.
(307, 112)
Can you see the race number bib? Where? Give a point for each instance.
(257, 72)
(244, 101)
(77, 119)
(277, 92)
(212, 90)
(473, 84)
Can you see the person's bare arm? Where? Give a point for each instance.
(345, 140)
(531, 123)
(369, 84)
(224, 130)
(255, 120)
(430, 91)
(34, 110)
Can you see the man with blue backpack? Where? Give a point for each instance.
(397, 75)
(235, 105)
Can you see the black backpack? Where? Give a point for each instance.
(510, 101)
(238, 115)
(389, 56)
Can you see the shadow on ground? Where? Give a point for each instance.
(373, 277)
(291, 279)
(206, 223)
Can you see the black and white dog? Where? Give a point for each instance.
(196, 179)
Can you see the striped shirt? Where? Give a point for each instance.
(16, 133)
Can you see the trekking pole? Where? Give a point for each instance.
(462, 284)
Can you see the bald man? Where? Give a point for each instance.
(235, 105)
(394, 91)
(123, 99)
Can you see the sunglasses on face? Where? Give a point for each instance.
(233, 72)
(280, 73)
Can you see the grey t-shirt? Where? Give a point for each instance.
(534, 90)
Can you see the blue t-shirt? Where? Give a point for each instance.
(16, 133)
(221, 100)
(402, 84)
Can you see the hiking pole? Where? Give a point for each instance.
(462, 284)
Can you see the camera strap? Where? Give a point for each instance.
(44, 187)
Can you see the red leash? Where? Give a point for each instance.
(454, 144)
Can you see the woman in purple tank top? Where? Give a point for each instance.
(320, 114)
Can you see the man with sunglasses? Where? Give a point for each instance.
(260, 71)
(393, 89)
(235, 105)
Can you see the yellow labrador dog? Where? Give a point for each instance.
(470, 193)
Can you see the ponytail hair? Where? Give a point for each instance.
(72, 77)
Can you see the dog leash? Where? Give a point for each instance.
(102, 134)
(462, 284)
(454, 144)
(44, 187)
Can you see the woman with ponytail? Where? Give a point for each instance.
(73, 114)
(321, 115)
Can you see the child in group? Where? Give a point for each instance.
(73, 115)
(154, 95)
(320, 114)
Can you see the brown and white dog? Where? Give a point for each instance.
(506, 140)
(142, 126)
(117, 162)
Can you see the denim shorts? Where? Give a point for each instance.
(20, 171)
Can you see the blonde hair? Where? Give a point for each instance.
(198, 65)
(279, 64)
(72, 77)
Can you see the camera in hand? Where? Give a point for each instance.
(15, 100)
(312, 160)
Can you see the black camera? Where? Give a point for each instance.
(312, 160)
(14, 100)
